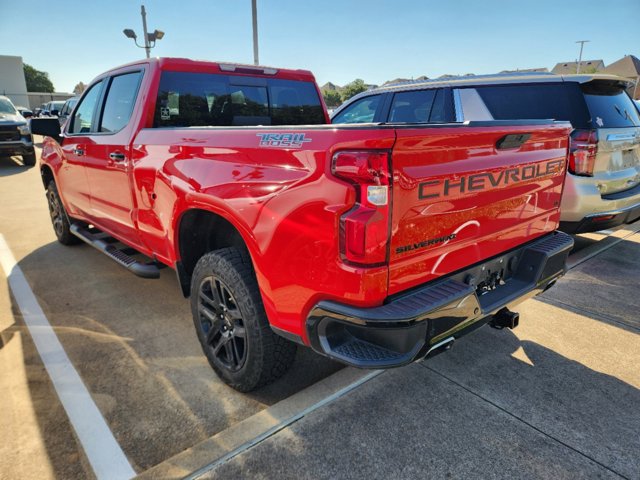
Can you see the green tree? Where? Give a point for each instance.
(353, 88)
(332, 98)
(37, 81)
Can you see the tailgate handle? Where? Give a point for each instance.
(512, 140)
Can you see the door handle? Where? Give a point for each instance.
(78, 151)
(117, 156)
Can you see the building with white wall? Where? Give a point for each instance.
(12, 82)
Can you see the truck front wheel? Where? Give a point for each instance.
(231, 323)
(59, 217)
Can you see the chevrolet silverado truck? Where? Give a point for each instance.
(376, 245)
(15, 136)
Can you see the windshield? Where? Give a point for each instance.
(609, 105)
(6, 107)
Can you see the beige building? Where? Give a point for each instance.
(627, 67)
(586, 66)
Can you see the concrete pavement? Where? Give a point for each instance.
(556, 398)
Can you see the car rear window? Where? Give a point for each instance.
(187, 99)
(558, 101)
(609, 105)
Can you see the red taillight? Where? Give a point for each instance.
(364, 230)
(582, 152)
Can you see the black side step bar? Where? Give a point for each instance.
(144, 270)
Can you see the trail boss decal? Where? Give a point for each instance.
(293, 140)
(485, 180)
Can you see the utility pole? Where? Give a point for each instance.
(254, 12)
(144, 27)
(581, 42)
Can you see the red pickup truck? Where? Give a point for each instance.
(375, 244)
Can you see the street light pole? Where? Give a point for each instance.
(150, 39)
(581, 42)
(254, 12)
(143, 12)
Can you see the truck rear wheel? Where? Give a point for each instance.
(231, 323)
(59, 217)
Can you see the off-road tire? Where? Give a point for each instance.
(29, 159)
(59, 217)
(267, 356)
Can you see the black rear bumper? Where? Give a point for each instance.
(603, 221)
(409, 326)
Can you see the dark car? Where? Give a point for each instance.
(66, 110)
(52, 109)
(15, 135)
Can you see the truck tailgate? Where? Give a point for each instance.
(467, 193)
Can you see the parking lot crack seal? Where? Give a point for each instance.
(525, 422)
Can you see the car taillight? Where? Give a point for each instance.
(364, 230)
(582, 152)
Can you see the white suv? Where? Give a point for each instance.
(602, 189)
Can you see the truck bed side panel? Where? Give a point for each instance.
(282, 199)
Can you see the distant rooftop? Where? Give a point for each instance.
(565, 68)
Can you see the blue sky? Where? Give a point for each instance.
(338, 41)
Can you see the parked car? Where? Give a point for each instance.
(24, 111)
(52, 109)
(603, 184)
(66, 109)
(15, 135)
(284, 229)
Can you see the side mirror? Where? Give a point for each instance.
(27, 114)
(48, 127)
(55, 112)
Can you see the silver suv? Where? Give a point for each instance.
(602, 189)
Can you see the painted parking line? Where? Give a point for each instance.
(107, 459)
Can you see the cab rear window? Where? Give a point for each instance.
(609, 105)
(187, 99)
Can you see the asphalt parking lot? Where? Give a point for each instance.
(556, 398)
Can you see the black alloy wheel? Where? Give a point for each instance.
(222, 324)
(59, 217)
(231, 322)
(55, 210)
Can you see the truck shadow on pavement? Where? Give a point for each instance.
(12, 166)
(133, 343)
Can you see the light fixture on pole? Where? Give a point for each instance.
(581, 42)
(149, 38)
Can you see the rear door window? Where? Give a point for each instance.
(558, 101)
(609, 105)
(119, 104)
(360, 111)
(187, 99)
(412, 107)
